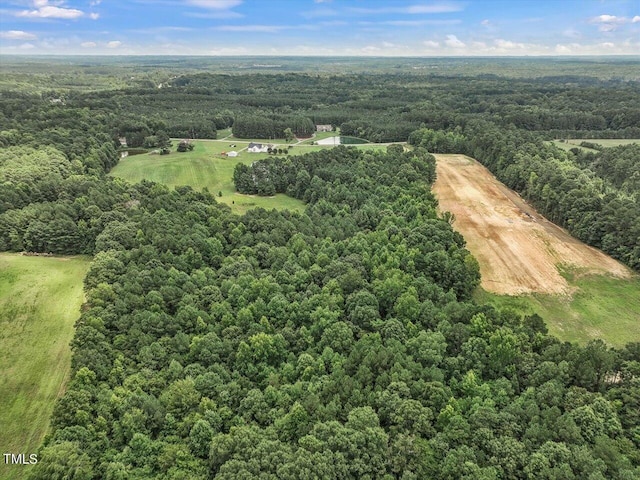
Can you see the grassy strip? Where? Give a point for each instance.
(40, 299)
(601, 307)
(605, 142)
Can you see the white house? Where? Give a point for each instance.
(232, 154)
(258, 148)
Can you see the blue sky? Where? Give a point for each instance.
(320, 27)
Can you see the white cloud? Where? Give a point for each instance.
(453, 42)
(562, 49)
(609, 23)
(94, 16)
(88, 44)
(370, 49)
(508, 45)
(431, 44)
(485, 22)
(215, 4)
(628, 47)
(95, 3)
(229, 51)
(114, 44)
(50, 11)
(27, 46)
(607, 19)
(607, 27)
(17, 35)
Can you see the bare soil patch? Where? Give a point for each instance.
(519, 250)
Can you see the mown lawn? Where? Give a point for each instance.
(204, 167)
(40, 300)
(601, 307)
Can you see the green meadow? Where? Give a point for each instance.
(40, 300)
(605, 142)
(204, 167)
(600, 307)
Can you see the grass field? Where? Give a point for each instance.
(601, 307)
(204, 167)
(605, 142)
(40, 299)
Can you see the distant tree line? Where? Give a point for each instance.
(259, 126)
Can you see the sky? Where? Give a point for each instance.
(320, 27)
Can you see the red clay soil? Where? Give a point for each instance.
(519, 250)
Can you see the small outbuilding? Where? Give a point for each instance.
(324, 128)
(232, 154)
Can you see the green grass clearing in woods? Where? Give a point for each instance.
(601, 307)
(40, 300)
(204, 167)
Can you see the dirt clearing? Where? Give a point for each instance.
(519, 250)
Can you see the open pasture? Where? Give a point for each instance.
(40, 300)
(600, 307)
(204, 167)
(605, 142)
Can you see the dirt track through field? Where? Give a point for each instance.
(519, 251)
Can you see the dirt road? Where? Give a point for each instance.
(519, 251)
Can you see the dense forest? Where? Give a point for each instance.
(338, 344)
(342, 342)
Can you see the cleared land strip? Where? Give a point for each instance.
(519, 251)
(40, 300)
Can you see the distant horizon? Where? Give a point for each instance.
(321, 28)
(291, 56)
